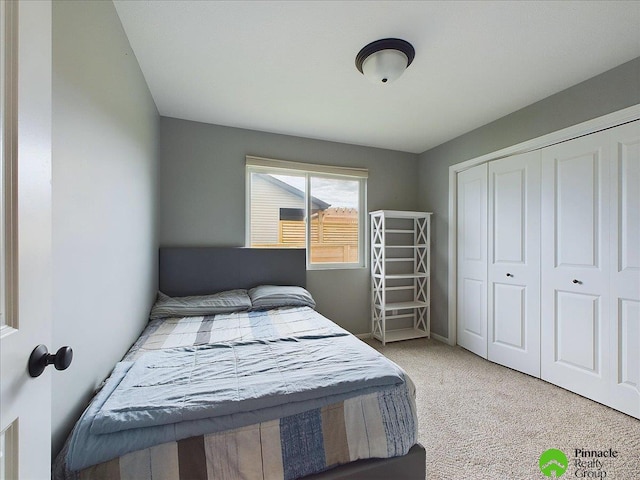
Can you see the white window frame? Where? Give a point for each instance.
(307, 170)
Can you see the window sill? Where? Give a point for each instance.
(335, 266)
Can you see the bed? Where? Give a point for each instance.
(264, 387)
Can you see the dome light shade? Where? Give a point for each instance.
(383, 61)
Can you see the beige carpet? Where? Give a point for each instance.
(479, 420)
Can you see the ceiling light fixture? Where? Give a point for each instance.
(383, 61)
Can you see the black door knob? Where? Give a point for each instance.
(40, 358)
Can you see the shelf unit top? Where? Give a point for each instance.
(399, 214)
(421, 245)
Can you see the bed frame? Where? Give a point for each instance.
(202, 270)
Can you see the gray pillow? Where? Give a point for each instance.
(223, 302)
(274, 296)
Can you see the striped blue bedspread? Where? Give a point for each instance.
(296, 322)
(353, 403)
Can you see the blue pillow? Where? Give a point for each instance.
(265, 297)
(223, 302)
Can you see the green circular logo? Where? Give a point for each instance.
(553, 463)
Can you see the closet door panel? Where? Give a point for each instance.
(472, 260)
(628, 340)
(509, 319)
(473, 292)
(625, 268)
(575, 266)
(514, 262)
(508, 211)
(577, 340)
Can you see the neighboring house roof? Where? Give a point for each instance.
(316, 203)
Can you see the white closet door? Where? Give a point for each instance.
(472, 260)
(575, 266)
(514, 262)
(625, 268)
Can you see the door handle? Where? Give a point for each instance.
(509, 275)
(40, 358)
(577, 282)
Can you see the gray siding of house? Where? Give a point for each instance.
(267, 199)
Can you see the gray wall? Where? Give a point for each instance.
(202, 196)
(105, 136)
(611, 91)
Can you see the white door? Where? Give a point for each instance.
(25, 402)
(472, 260)
(625, 268)
(575, 266)
(514, 263)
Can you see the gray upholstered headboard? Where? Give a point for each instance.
(202, 270)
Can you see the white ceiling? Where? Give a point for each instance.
(288, 66)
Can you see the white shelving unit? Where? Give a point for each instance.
(400, 282)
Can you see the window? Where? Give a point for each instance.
(282, 196)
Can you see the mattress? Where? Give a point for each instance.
(285, 440)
